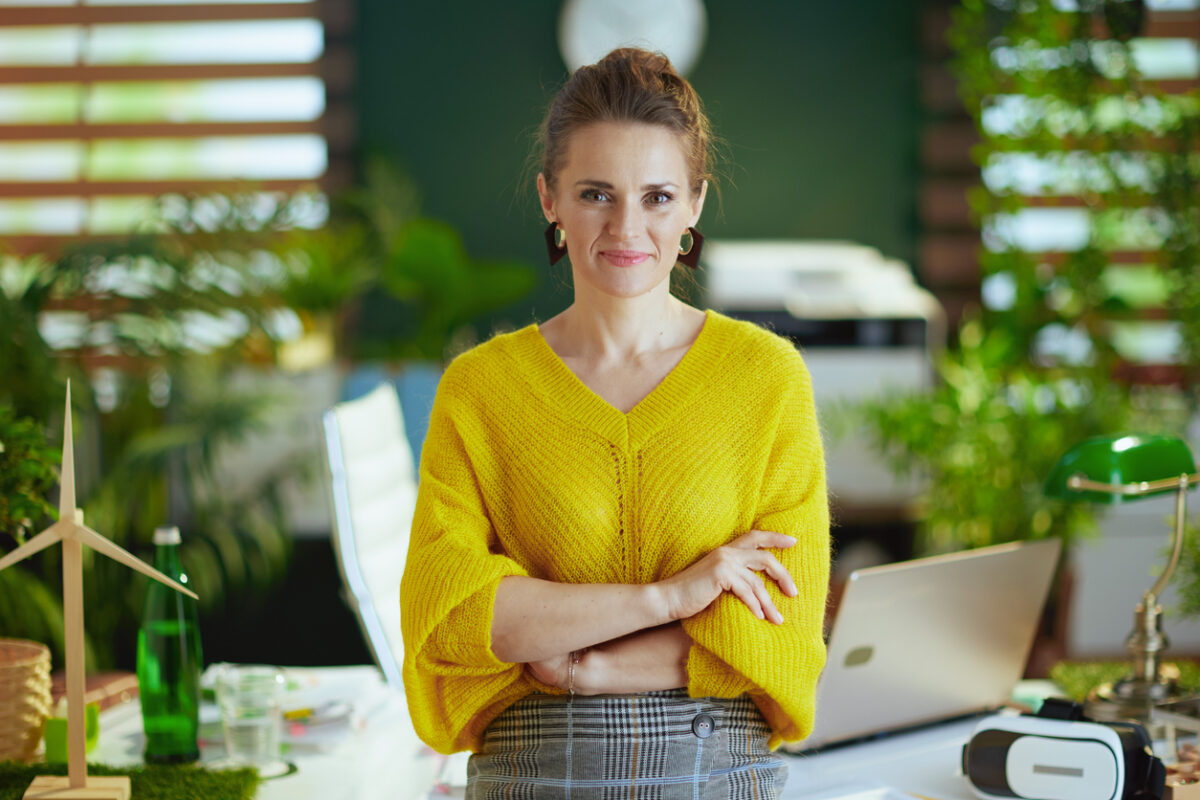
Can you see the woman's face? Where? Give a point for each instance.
(623, 201)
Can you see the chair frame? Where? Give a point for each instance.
(355, 591)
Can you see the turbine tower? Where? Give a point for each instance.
(73, 534)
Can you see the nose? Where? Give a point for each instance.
(625, 222)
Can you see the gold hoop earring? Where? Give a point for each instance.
(691, 255)
(686, 242)
(556, 243)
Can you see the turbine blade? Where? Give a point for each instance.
(40, 542)
(66, 491)
(120, 554)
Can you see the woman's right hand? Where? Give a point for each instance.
(731, 568)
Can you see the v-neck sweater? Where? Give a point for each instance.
(527, 471)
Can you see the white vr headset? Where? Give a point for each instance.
(1061, 755)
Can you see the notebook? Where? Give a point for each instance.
(930, 639)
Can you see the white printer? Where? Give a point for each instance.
(865, 328)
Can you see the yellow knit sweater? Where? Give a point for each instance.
(526, 471)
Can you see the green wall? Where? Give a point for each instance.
(816, 101)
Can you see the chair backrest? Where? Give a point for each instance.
(374, 491)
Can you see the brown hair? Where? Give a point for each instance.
(628, 85)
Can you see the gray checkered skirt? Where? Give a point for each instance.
(654, 745)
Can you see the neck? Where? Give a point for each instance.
(602, 327)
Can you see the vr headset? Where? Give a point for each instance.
(1061, 755)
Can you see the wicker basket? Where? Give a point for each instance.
(24, 697)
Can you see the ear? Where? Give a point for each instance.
(546, 197)
(698, 203)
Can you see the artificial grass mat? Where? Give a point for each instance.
(150, 782)
(1077, 678)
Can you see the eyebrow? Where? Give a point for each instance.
(607, 185)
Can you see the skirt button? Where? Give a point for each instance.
(703, 726)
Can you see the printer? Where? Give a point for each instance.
(865, 328)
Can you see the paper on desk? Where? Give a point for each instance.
(337, 702)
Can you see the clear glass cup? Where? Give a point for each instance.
(250, 697)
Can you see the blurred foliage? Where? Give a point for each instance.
(1078, 678)
(1046, 362)
(404, 285)
(1187, 573)
(26, 475)
(154, 330)
(160, 332)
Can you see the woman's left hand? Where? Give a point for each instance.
(553, 670)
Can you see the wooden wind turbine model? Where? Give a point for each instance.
(73, 534)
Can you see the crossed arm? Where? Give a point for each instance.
(632, 634)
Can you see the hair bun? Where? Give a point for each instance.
(628, 85)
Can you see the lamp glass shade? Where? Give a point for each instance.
(1120, 459)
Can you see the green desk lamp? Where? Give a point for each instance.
(1115, 469)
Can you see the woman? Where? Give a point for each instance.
(619, 557)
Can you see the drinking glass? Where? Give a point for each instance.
(250, 697)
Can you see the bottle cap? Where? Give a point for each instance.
(166, 534)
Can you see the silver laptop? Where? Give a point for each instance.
(930, 639)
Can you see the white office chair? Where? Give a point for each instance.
(374, 491)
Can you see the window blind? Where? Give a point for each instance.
(1057, 191)
(106, 106)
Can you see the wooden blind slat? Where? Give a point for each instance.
(946, 146)
(944, 205)
(49, 189)
(951, 260)
(116, 15)
(337, 126)
(935, 21)
(939, 88)
(1161, 25)
(49, 244)
(336, 68)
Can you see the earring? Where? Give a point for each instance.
(690, 254)
(556, 243)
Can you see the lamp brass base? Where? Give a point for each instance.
(1130, 699)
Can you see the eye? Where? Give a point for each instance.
(594, 195)
(659, 198)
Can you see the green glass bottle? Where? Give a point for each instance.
(169, 661)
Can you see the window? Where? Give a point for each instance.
(106, 106)
(1056, 186)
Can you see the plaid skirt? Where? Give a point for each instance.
(661, 745)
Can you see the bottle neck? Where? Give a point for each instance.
(166, 560)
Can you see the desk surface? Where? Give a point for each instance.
(382, 757)
(925, 762)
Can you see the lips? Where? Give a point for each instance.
(624, 258)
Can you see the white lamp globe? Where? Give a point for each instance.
(589, 29)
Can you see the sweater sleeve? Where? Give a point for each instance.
(733, 651)
(453, 682)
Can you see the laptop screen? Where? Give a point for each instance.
(930, 639)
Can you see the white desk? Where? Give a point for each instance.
(382, 757)
(925, 762)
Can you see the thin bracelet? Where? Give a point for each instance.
(572, 660)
